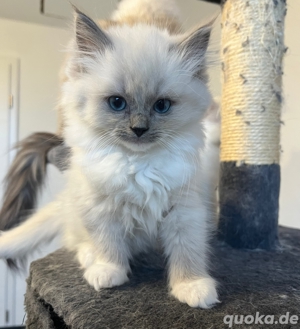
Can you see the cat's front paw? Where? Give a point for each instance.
(105, 275)
(196, 293)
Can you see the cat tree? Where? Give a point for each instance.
(252, 50)
(250, 282)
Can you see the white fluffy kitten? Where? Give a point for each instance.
(133, 104)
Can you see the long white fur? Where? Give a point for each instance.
(122, 198)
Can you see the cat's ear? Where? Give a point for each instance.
(88, 35)
(195, 43)
(193, 47)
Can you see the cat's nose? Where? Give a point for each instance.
(139, 131)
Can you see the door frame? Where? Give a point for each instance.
(10, 278)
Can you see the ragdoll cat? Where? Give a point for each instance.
(133, 103)
(27, 172)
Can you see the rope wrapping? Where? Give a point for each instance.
(252, 52)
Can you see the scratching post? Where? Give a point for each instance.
(252, 51)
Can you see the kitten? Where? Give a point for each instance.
(27, 172)
(133, 103)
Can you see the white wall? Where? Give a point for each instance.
(39, 49)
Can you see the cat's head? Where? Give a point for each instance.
(137, 86)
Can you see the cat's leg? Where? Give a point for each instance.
(86, 254)
(184, 234)
(105, 256)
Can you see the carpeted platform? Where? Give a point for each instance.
(265, 282)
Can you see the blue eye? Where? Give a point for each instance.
(162, 106)
(117, 103)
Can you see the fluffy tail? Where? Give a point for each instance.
(25, 177)
(20, 241)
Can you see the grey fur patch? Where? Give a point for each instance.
(59, 156)
(89, 37)
(195, 45)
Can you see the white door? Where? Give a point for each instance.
(12, 286)
(9, 76)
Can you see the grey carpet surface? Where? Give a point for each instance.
(250, 281)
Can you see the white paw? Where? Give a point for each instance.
(105, 275)
(196, 293)
(86, 255)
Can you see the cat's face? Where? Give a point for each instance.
(138, 86)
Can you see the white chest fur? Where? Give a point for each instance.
(138, 188)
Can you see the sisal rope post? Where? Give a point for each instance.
(252, 51)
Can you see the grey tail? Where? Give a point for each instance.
(25, 178)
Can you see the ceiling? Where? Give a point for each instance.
(58, 13)
(55, 12)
